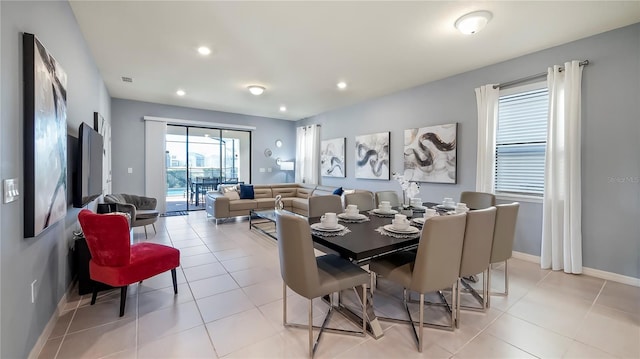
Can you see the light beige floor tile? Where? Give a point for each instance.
(62, 323)
(160, 281)
(228, 254)
(155, 325)
(488, 346)
(221, 243)
(480, 320)
(612, 331)
(191, 343)
(125, 354)
(213, 285)
(102, 313)
(191, 251)
(163, 298)
(557, 312)
(578, 350)
(397, 342)
(451, 341)
(620, 296)
(528, 337)
(230, 334)
(50, 348)
(204, 271)
(264, 292)
(242, 263)
(297, 311)
(187, 243)
(100, 341)
(578, 285)
(251, 276)
(223, 305)
(198, 259)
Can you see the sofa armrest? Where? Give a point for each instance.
(127, 208)
(217, 205)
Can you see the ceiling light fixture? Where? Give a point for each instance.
(203, 50)
(180, 93)
(342, 85)
(256, 90)
(473, 22)
(283, 108)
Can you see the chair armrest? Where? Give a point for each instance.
(127, 208)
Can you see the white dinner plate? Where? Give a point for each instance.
(419, 220)
(346, 216)
(410, 230)
(377, 210)
(319, 227)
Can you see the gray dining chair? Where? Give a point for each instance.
(476, 252)
(313, 277)
(503, 237)
(391, 196)
(319, 205)
(434, 267)
(478, 200)
(363, 199)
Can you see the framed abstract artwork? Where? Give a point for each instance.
(430, 153)
(372, 156)
(332, 156)
(45, 138)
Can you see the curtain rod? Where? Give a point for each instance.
(532, 77)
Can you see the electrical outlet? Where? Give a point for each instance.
(34, 290)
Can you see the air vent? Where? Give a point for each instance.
(127, 79)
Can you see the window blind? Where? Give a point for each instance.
(521, 140)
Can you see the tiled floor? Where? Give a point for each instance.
(229, 305)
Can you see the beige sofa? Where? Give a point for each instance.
(294, 197)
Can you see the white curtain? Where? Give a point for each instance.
(561, 220)
(155, 180)
(307, 154)
(487, 100)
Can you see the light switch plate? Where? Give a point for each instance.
(11, 190)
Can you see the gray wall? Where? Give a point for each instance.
(610, 133)
(46, 257)
(127, 134)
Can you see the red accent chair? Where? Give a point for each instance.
(118, 263)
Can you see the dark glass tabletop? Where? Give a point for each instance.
(363, 242)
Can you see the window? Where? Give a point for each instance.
(521, 140)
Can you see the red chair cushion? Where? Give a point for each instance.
(147, 260)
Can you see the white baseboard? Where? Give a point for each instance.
(615, 277)
(48, 329)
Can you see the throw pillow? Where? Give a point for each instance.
(246, 191)
(232, 195)
(338, 191)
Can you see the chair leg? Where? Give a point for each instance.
(284, 304)
(506, 277)
(123, 299)
(175, 281)
(421, 321)
(95, 294)
(455, 296)
(364, 308)
(145, 232)
(311, 348)
(154, 228)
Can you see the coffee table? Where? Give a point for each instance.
(264, 220)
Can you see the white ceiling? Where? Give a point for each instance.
(300, 50)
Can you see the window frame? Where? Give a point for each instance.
(506, 92)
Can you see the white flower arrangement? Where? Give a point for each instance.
(409, 189)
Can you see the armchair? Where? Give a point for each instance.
(141, 209)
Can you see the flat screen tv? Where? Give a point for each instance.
(87, 184)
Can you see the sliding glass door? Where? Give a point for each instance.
(200, 159)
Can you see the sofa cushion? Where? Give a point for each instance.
(304, 193)
(265, 203)
(300, 203)
(285, 192)
(246, 191)
(288, 201)
(243, 205)
(232, 195)
(262, 192)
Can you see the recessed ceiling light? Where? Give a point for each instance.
(473, 22)
(283, 108)
(180, 93)
(203, 50)
(342, 85)
(256, 90)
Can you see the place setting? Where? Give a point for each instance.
(400, 227)
(384, 210)
(449, 206)
(329, 226)
(352, 215)
(428, 213)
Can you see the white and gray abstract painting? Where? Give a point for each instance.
(430, 153)
(372, 156)
(332, 155)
